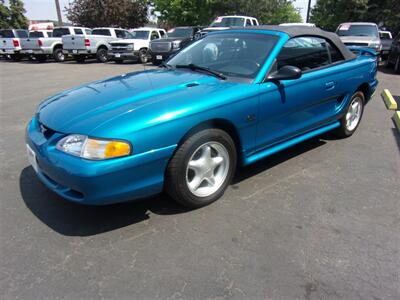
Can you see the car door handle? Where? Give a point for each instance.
(330, 85)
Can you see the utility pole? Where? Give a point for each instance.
(308, 11)
(60, 22)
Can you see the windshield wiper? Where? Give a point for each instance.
(207, 70)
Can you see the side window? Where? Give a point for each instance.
(120, 33)
(22, 33)
(88, 31)
(78, 31)
(50, 33)
(306, 53)
(162, 33)
(335, 53)
(248, 22)
(154, 35)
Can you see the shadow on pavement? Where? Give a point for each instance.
(71, 219)
(396, 135)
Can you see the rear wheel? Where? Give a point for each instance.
(351, 119)
(58, 55)
(202, 168)
(102, 55)
(397, 65)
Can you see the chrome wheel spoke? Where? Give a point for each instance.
(353, 114)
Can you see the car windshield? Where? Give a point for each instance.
(59, 32)
(233, 55)
(227, 22)
(180, 32)
(7, 34)
(140, 34)
(357, 30)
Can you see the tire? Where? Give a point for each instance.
(79, 58)
(16, 57)
(102, 55)
(181, 180)
(41, 58)
(397, 65)
(58, 55)
(347, 125)
(119, 61)
(143, 56)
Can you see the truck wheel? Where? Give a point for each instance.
(79, 58)
(202, 168)
(41, 58)
(102, 55)
(143, 56)
(58, 55)
(397, 65)
(352, 118)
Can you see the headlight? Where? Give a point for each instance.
(96, 149)
(129, 47)
(176, 44)
(375, 45)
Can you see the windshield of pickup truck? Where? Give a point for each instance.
(59, 32)
(140, 34)
(232, 55)
(180, 33)
(227, 22)
(357, 30)
(101, 32)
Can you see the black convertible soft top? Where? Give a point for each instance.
(297, 31)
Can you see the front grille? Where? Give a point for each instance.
(160, 47)
(357, 44)
(119, 47)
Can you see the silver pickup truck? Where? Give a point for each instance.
(93, 45)
(43, 44)
(10, 42)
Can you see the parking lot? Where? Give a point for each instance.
(318, 221)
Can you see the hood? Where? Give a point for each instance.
(141, 97)
(170, 39)
(126, 41)
(359, 39)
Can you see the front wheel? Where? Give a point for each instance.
(352, 118)
(143, 56)
(58, 55)
(102, 55)
(202, 168)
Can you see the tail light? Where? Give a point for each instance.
(40, 43)
(87, 43)
(16, 43)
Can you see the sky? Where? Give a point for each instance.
(46, 9)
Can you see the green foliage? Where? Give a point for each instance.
(328, 14)
(4, 16)
(118, 13)
(13, 16)
(202, 12)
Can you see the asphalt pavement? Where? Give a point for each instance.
(318, 221)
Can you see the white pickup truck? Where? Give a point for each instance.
(43, 44)
(10, 42)
(136, 46)
(226, 22)
(95, 44)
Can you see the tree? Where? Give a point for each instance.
(328, 14)
(4, 16)
(119, 13)
(202, 12)
(17, 18)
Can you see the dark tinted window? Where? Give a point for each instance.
(162, 33)
(36, 34)
(101, 32)
(140, 34)
(306, 53)
(357, 30)
(22, 33)
(154, 35)
(78, 31)
(59, 32)
(8, 34)
(120, 33)
(248, 22)
(180, 32)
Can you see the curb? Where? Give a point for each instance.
(396, 120)
(389, 100)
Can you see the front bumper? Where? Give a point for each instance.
(123, 55)
(161, 56)
(9, 51)
(78, 52)
(97, 182)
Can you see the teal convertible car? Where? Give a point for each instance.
(231, 98)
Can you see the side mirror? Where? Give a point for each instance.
(285, 73)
